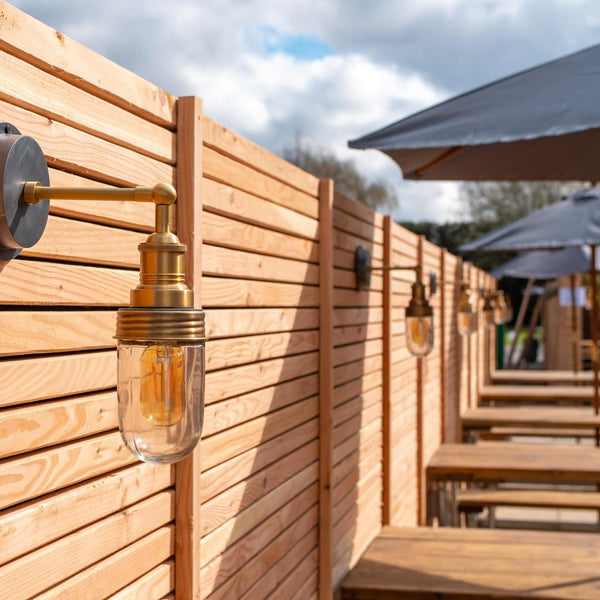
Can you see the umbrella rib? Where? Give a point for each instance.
(440, 159)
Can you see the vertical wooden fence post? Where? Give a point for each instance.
(325, 386)
(387, 372)
(443, 365)
(421, 496)
(469, 341)
(189, 230)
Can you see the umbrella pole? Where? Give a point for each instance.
(574, 340)
(594, 331)
(520, 319)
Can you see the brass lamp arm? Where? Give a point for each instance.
(162, 193)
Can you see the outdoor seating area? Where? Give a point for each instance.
(225, 379)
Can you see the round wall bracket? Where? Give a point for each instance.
(21, 160)
(362, 267)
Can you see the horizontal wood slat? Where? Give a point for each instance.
(34, 524)
(223, 169)
(23, 85)
(52, 51)
(63, 558)
(31, 282)
(69, 148)
(23, 429)
(228, 142)
(60, 331)
(31, 379)
(32, 475)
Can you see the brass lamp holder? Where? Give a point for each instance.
(161, 305)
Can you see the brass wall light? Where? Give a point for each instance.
(419, 314)
(466, 315)
(497, 310)
(160, 335)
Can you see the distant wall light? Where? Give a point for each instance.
(418, 313)
(466, 315)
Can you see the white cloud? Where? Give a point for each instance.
(388, 59)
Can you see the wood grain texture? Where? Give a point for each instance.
(44, 283)
(224, 384)
(249, 265)
(36, 426)
(218, 571)
(221, 168)
(154, 585)
(438, 563)
(222, 199)
(37, 523)
(31, 379)
(231, 233)
(228, 142)
(230, 472)
(189, 229)
(65, 557)
(38, 473)
(57, 331)
(326, 383)
(226, 505)
(357, 209)
(71, 105)
(222, 292)
(52, 51)
(249, 321)
(78, 241)
(225, 445)
(497, 461)
(72, 149)
(236, 351)
(217, 541)
(256, 403)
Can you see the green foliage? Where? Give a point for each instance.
(378, 194)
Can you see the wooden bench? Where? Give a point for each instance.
(504, 421)
(536, 393)
(445, 563)
(494, 462)
(482, 498)
(517, 376)
(498, 434)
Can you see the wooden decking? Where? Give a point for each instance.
(435, 564)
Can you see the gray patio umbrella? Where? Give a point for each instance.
(572, 221)
(545, 264)
(539, 124)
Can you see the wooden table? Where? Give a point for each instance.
(564, 417)
(516, 376)
(498, 461)
(432, 564)
(536, 393)
(494, 462)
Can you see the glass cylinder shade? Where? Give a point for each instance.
(488, 317)
(500, 311)
(419, 335)
(466, 322)
(161, 400)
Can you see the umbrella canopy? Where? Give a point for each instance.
(573, 221)
(545, 264)
(541, 123)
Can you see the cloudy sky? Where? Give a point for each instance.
(327, 70)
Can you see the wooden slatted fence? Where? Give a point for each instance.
(318, 421)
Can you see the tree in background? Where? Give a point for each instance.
(378, 195)
(491, 204)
